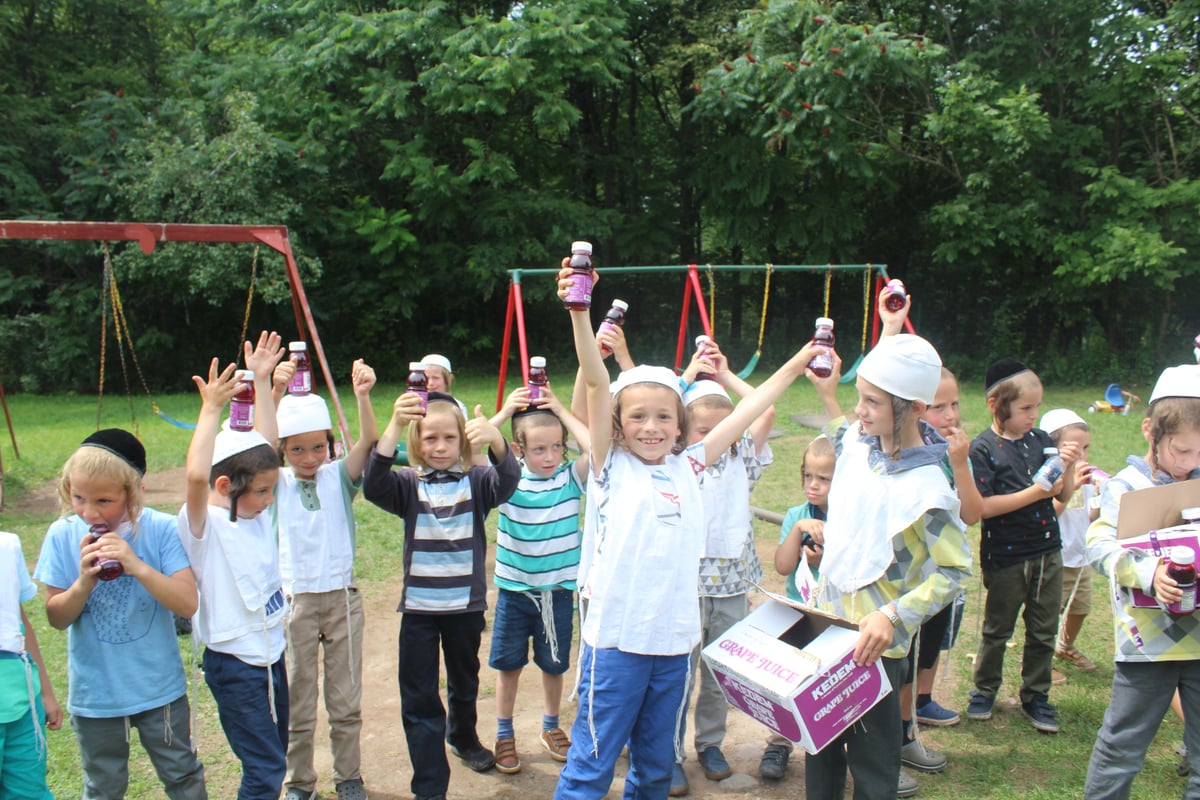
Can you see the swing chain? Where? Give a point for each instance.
(762, 318)
(866, 306)
(828, 282)
(249, 299)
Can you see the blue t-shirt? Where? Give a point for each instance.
(794, 515)
(122, 654)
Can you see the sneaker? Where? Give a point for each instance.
(477, 757)
(933, 714)
(507, 760)
(774, 761)
(713, 762)
(350, 790)
(1071, 654)
(1039, 712)
(1057, 678)
(679, 782)
(557, 743)
(907, 787)
(301, 794)
(980, 706)
(919, 757)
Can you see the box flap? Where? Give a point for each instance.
(1156, 507)
(806, 609)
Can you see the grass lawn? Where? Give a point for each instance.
(1001, 758)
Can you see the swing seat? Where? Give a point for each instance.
(852, 373)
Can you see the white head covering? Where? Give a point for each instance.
(1181, 381)
(703, 389)
(1060, 418)
(647, 374)
(230, 442)
(904, 365)
(302, 414)
(435, 360)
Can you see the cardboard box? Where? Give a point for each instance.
(1158, 543)
(790, 667)
(1148, 519)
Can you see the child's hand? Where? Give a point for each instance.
(1166, 590)
(1083, 471)
(113, 547)
(89, 568)
(697, 365)
(481, 432)
(264, 355)
(565, 280)
(407, 408)
(54, 712)
(829, 384)
(612, 341)
(875, 634)
(892, 321)
(282, 376)
(549, 401)
(362, 377)
(959, 449)
(1069, 452)
(517, 399)
(220, 387)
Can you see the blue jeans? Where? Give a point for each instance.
(519, 620)
(870, 749)
(165, 734)
(244, 706)
(1141, 695)
(631, 698)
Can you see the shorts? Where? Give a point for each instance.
(519, 619)
(1082, 604)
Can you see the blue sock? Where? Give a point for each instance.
(549, 722)
(504, 728)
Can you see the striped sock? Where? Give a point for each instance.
(549, 722)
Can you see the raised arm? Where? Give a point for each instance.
(760, 429)
(363, 378)
(214, 394)
(261, 359)
(594, 376)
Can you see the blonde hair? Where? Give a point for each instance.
(1168, 417)
(537, 419)
(1007, 391)
(680, 414)
(96, 462)
(438, 406)
(820, 447)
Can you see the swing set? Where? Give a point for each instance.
(693, 294)
(147, 235)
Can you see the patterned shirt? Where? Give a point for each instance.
(729, 577)
(537, 543)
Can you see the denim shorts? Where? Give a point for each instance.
(519, 619)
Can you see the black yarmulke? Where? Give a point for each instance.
(122, 444)
(1001, 370)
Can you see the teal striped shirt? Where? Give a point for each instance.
(537, 545)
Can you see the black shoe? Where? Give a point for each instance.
(477, 757)
(774, 761)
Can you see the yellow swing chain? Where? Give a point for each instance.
(828, 281)
(866, 306)
(249, 300)
(712, 295)
(762, 319)
(122, 337)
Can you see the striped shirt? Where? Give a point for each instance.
(537, 545)
(445, 543)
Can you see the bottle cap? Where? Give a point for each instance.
(297, 346)
(1181, 554)
(584, 246)
(826, 321)
(621, 304)
(416, 366)
(702, 340)
(896, 286)
(1049, 451)
(538, 361)
(99, 528)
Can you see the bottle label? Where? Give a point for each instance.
(301, 382)
(1187, 604)
(423, 395)
(241, 416)
(580, 291)
(1048, 475)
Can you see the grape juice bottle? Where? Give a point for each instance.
(1050, 471)
(704, 346)
(579, 296)
(418, 383)
(895, 300)
(241, 407)
(1181, 567)
(614, 318)
(110, 569)
(822, 363)
(301, 382)
(537, 378)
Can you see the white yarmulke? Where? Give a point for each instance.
(302, 414)
(647, 374)
(1058, 418)
(904, 365)
(435, 360)
(1181, 381)
(230, 442)
(703, 389)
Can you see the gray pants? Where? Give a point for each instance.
(1036, 585)
(1141, 695)
(717, 615)
(165, 734)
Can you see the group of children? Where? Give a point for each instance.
(261, 556)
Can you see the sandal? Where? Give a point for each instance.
(1071, 654)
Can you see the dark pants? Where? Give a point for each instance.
(427, 727)
(244, 706)
(870, 749)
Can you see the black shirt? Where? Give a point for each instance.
(1004, 466)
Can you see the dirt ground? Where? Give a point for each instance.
(386, 767)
